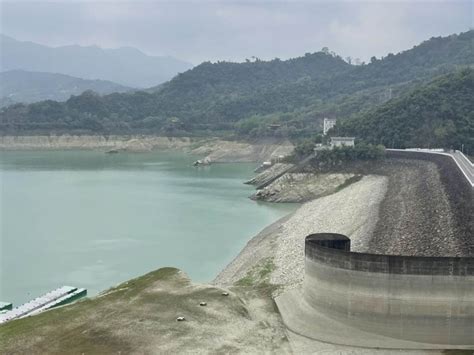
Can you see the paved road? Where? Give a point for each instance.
(465, 164)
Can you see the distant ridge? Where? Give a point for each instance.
(27, 87)
(126, 66)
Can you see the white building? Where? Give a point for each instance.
(342, 141)
(328, 124)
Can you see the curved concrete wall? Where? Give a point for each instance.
(420, 299)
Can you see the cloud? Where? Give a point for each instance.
(228, 30)
(387, 27)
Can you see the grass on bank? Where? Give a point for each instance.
(259, 274)
(140, 316)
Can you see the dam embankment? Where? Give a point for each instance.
(428, 209)
(457, 191)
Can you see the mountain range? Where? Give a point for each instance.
(277, 98)
(26, 86)
(126, 66)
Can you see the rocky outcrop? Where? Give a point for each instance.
(268, 174)
(302, 187)
(219, 151)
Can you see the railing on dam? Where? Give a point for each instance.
(420, 299)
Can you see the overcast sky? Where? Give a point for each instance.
(234, 30)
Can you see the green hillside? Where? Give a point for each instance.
(438, 114)
(256, 98)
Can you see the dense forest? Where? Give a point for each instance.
(251, 99)
(437, 114)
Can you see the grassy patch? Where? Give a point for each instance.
(259, 275)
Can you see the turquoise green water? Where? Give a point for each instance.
(93, 220)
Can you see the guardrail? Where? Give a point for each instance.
(467, 159)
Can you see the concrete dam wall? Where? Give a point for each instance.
(382, 300)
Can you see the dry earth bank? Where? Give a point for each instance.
(139, 317)
(218, 150)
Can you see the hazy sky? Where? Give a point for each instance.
(234, 30)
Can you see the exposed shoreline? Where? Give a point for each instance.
(353, 211)
(217, 150)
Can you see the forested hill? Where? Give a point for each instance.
(225, 77)
(438, 114)
(256, 98)
(430, 58)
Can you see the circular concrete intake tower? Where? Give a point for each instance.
(382, 301)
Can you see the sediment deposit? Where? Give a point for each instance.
(215, 149)
(100, 142)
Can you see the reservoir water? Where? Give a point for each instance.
(89, 219)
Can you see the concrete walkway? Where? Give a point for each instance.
(465, 165)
